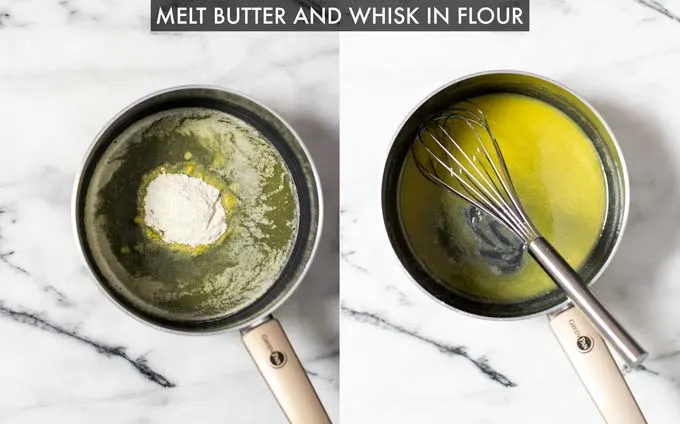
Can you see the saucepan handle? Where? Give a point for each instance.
(579, 293)
(274, 356)
(595, 366)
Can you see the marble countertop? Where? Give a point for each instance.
(406, 359)
(67, 354)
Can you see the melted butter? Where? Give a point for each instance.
(176, 281)
(558, 177)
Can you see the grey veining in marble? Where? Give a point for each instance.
(68, 354)
(622, 56)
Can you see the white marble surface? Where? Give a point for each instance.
(405, 359)
(68, 355)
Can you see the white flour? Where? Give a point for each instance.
(184, 210)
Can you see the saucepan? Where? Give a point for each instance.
(113, 267)
(584, 347)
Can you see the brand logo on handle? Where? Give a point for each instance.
(584, 344)
(277, 359)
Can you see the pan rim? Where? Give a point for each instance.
(622, 167)
(79, 188)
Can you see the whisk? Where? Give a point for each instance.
(477, 173)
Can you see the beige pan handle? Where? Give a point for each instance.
(279, 365)
(596, 368)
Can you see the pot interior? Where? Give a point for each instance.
(268, 188)
(400, 169)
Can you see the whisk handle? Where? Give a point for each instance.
(579, 293)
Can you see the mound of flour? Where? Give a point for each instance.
(184, 210)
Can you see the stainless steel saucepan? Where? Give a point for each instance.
(584, 347)
(262, 335)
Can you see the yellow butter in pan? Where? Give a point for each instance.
(559, 180)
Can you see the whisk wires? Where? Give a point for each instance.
(457, 150)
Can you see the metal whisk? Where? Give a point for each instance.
(477, 173)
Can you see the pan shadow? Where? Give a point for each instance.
(633, 284)
(314, 306)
